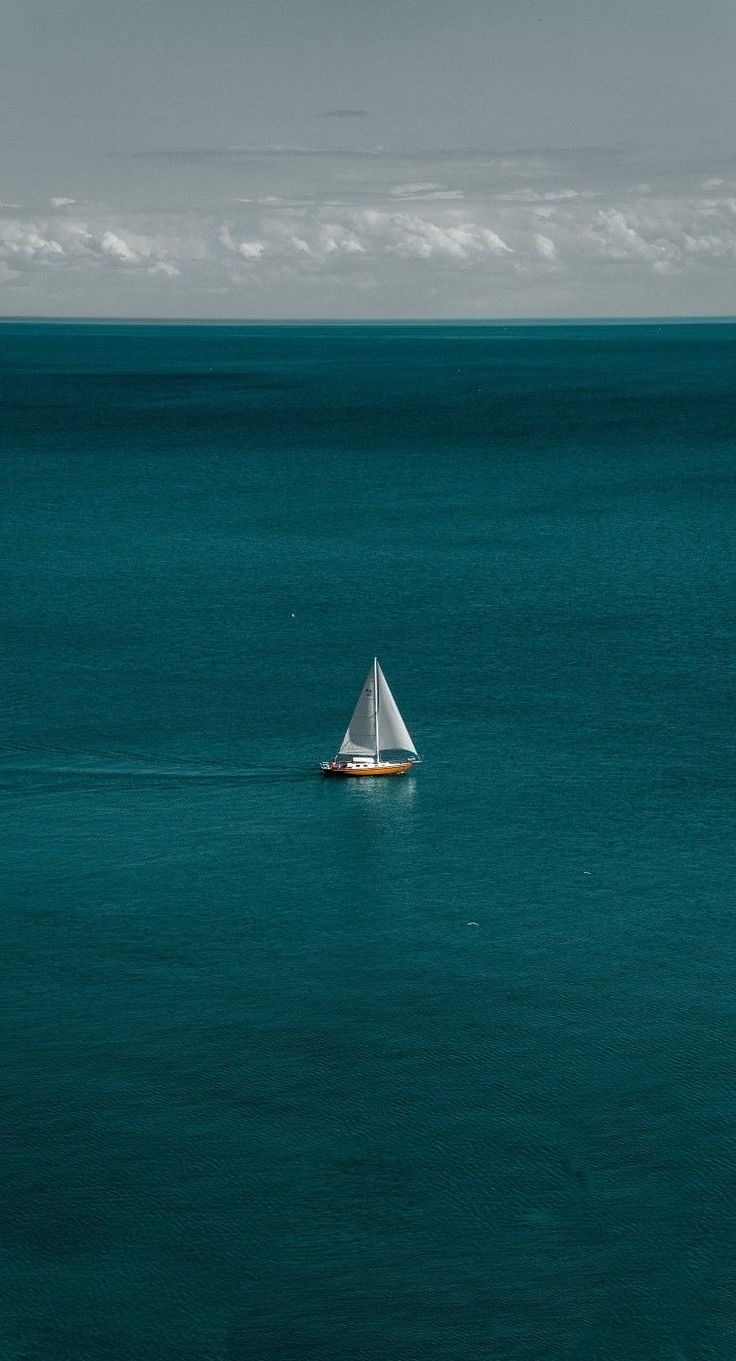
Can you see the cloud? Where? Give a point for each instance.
(113, 245)
(62, 243)
(372, 233)
(344, 113)
(656, 238)
(423, 238)
(549, 196)
(484, 237)
(335, 236)
(21, 241)
(163, 267)
(61, 202)
(407, 190)
(545, 246)
(424, 192)
(251, 250)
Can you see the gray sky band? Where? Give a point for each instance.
(347, 160)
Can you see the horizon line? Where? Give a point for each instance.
(633, 320)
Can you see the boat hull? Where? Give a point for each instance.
(388, 768)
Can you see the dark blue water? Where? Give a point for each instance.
(266, 1092)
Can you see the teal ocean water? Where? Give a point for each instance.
(267, 1092)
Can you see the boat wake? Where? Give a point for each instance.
(22, 765)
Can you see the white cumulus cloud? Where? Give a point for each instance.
(423, 238)
(28, 245)
(545, 246)
(29, 241)
(251, 250)
(512, 238)
(115, 246)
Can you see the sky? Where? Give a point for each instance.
(353, 159)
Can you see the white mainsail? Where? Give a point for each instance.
(360, 738)
(376, 724)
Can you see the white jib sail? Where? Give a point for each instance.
(393, 734)
(360, 738)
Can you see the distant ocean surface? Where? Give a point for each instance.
(268, 1092)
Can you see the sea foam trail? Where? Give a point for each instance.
(79, 764)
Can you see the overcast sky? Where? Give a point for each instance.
(367, 158)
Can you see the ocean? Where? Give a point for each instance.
(438, 1068)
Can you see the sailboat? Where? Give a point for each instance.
(377, 741)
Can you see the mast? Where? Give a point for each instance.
(375, 701)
